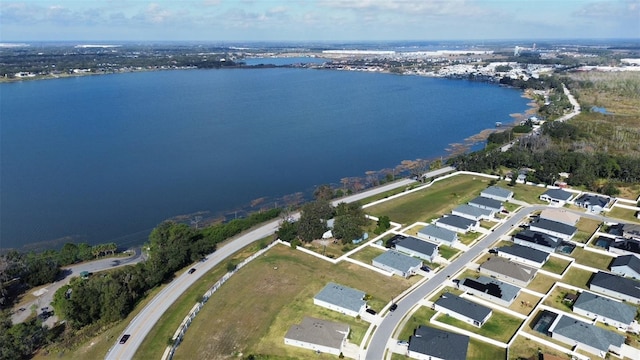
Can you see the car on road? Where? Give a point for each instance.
(124, 338)
(393, 307)
(192, 270)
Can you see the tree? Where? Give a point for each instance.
(323, 192)
(288, 231)
(349, 220)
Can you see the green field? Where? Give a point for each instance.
(541, 283)
(577, 277)
(527, 193)
(500, 326)
(586, 228)
(622, 214)
(523, 348)
(366, 254)
(555, 299)
(447, 252)
(556, 265)
(592, 259)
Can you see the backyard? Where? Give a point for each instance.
(500, 326)
(590, 258)
(586, 228)
(556, 265)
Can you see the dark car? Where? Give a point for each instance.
(371, 311)
(124, 338)
(493, 251)
(393, 307)
(192, 270)
(425, 268)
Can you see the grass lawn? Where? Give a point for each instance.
(420, 317)
(524, 303)
(523, 348)
(500, 326)
(590, 258)
(577, 277)
(556, 265)
(431, 202)
(366, 254)
(468, 238)
(527, 193)
(480, 350)
(541, 283)
(510, 207)
(252, 312)
(555, 299)
(447, 252)
(448, 289)
(487, 224)
(586, 228)
(622, 214)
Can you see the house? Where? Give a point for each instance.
(342, 299)
(318, 335)
(627, 266)
(524, 254)
(593, 203)
(605, 310)
(587, 337)
(487, 204)
(503, 269)
(624, 246)
(631, 231)
(490, 289)
(560, 215)
(457, 224)
(616, 286)
(497, 193)
(537, 240)
(553, 228)
(557, 197)
(397, 263)
(428, 343)
(438, 235)
(463, 309)
(473, 212)
(418, 248)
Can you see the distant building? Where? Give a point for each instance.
(457, 224)
(593, 203)
(490, 289)
(497, 193)
(537, 240)
(463, 309)
(318, 335)
(627, 266)
(505, 270)
(342, 299)
(524, 254)
(606, 310)
(587, 337)
(557, 197)
(438, 235)
(487, 204)
(418, 248)
(616, 286)
(560, 215)
(434, 344)
(553, 228)
(397, 263)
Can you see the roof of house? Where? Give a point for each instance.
(554, 226)
(631, 261)
(320, 332)
(560, 215)
(417, 245)
(439, 343)
(492, 287)
(456, 221)
(631, 229)
(497, 191)
(558, 194)
(472, 210)
(525, 252)
(538, 238)
(397, 260)
(509, 268)
(439, 233)
(463, 307)
(591, 199)
(342, 296)
(483, 201)
(585, 333)
(606, 307)
(616, 283)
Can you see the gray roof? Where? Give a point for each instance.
(509, 268)
(397, 260)
(342, 296)
(593, 200)
(606, 307)
(591, 335)
(439, 233)
(320, 332)
(417, 245)
(456, 221)
(439, 343)
(616, 283)
(632, 261)
(472, 210)
(486, 202)
(558, 194)
(538, 238)
(497, 191)
(463, 307)
(492, 287)
(555, 226)
(525, 252)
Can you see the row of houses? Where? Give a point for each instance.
(591, 202)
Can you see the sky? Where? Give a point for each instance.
(316, 20)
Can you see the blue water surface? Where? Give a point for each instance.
(106, 158)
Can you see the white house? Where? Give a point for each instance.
(497, 193)
(418, 248)
(318, 335)
(490, 289)
(457, 224)
(587, 337)
(397, 263)
(593, 203)
(627, 266)
(524, 254)
(473, 213)
(557, 197)
(553, 228)
(605, 310)
(487, 203)
(428, 343)
(463, 309)
(438, 235)
(616, 286)
(342, 299)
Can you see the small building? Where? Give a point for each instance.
(553, 228)
(397, 263)
(473, 213)
(537, 240)
(509, 271)
(457, 224)
(428, 343)
(487, 204)
(587, 337)
(560, 215)
(557, 197)
(627, 266)
(593, 203)
(318, 335)
(462, 309)
(491, 289)
(342, 299)
(497, 193)
(438, 235)
(418, 248)
(616, 286)
(524, 254)
(606, 310)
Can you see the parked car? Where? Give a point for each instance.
(425, 268)
(124, 338)
(371, 311)
(403, 343)
(192, 270)
(493, 251)
(393, 307)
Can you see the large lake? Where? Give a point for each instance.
(106, 158)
